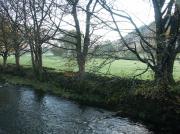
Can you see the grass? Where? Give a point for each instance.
(39, 86)
(122, 68)
(56, 88)
(147, 102)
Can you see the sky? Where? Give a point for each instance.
(140, 10)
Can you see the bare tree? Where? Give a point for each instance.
(82, 37)
(161, 55)
(5, 38)
(13, 13)
(38, 29)
(82, 43)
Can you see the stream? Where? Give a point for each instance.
(24, 111)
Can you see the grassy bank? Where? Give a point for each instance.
(138, 99)
(121, 68)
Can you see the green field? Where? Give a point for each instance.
(123, 68)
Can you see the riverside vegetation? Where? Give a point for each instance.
(91, 68)
(140, 100)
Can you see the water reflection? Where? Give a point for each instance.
(22, 111)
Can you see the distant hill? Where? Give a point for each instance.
(131, 38)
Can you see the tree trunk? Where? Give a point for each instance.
(36, 57)
(17, 58)
(32, 57)
(38, 70)
(4, 61)
(5, 55)
(81, 67)
(164, 70)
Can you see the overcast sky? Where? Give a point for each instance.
(140, 10)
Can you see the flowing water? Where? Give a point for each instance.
(24, 111)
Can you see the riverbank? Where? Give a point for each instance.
(137, 99)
